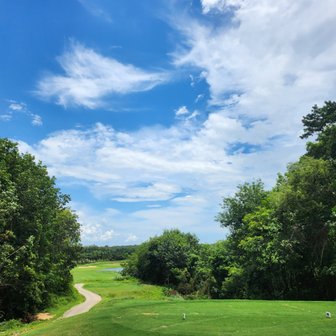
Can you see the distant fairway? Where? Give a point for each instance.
(132, 309)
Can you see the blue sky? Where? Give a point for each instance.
(150, 112)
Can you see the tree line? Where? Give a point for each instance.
(93, 253)
(39, 235)
(281, 242)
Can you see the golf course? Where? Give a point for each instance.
(131, 308)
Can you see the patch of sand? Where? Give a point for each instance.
(87, 266)
(150, 314)
(43, 316)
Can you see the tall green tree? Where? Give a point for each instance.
(172, 259)
(247, 198)
(306, 213)
(282, 244)
(39, 235)
(321, 122)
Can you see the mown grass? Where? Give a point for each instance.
(109, 285)
(129, 308)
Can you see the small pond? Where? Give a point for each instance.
(115, 269)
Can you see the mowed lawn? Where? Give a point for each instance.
(129, 308)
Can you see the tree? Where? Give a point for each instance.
(170, 259)
(39, 235)
(246, 200)
(306, 205)
(282, 243)
(220, 264)
(321, 122)
(248, 197)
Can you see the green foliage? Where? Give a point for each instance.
(321, 122)
(247, 199)
(320, 119)
(282, 243)
(307, 198)
(174, 259)
(219, 263)
(325, 147)
(95, 253)
(39, 236)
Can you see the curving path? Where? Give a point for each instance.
(91, 299)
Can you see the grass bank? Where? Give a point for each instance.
(58, 306)
(130, 308)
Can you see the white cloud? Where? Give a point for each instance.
(89, 78)
(36, 120)
(131, 238)
(193, 115)
(219, 5)
(153, 206)
(272, 63)
(199, 98)
(104, 226)
(276, 56)
(96, 228)
(93, 8)
(107, 235)
(181, 111)
(6, 117)
(14, 106)
(189, 169)
(264, 72)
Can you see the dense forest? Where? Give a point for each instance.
(281, 242)
(93, 253)
(39, 235)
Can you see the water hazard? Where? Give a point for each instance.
(115, 269)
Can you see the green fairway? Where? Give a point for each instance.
(129, 308)
(104, 282)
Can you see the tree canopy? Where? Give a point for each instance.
(39, 234)
(284, 245)
(174, 259)
(322, 123)
(94, 253)
(319, 119)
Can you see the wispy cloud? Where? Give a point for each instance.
(188, 168)
(89, 78)
(264, 72)
(131, 238)
(36, 120)
(15, 108)
(181, 111)
(109, 226)
(219, 5)
(93, 8)
(6, 117)
(271, 62)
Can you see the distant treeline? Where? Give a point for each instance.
(281, 242)
(94, 253)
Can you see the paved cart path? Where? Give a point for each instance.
(91, 299)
